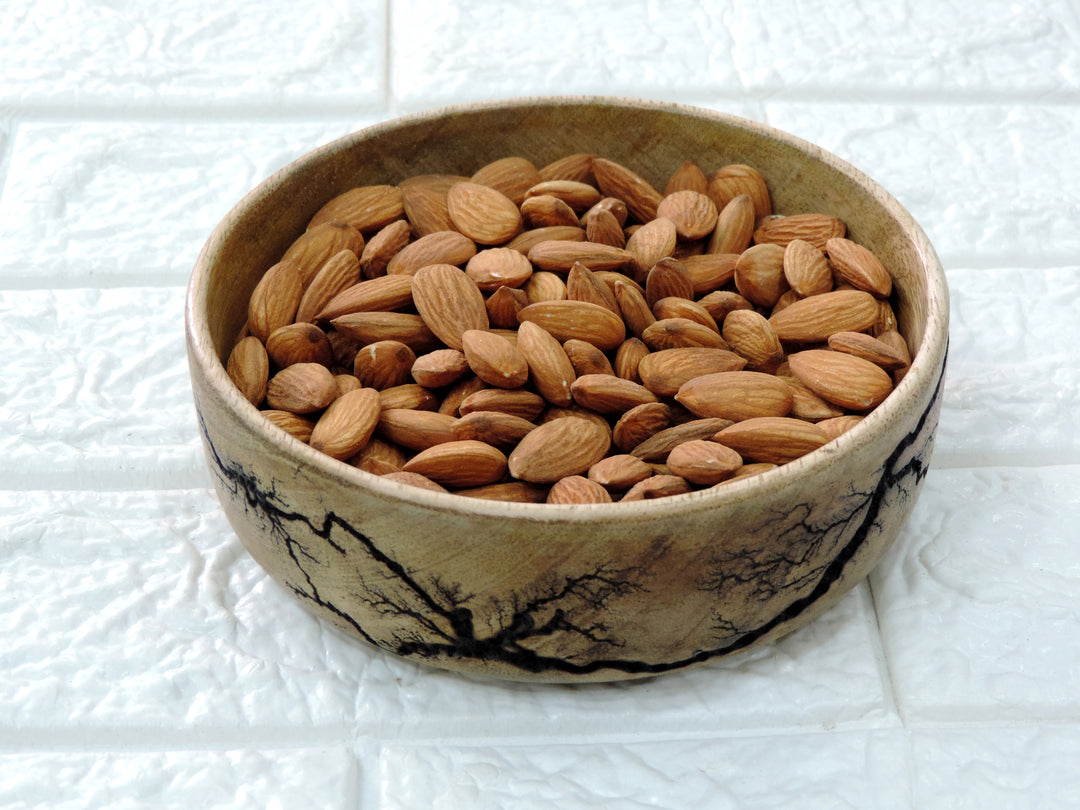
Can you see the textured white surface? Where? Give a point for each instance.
(145, 660)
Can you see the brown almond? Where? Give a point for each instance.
(659, 444)
(299, 343)
(544, 285)
(503, 306)
(674, 333)
(414, 479)
(604, 229)
(494, 427)
(577, 167)
(668, 278)
(249, 369)
(616, 180)
(608, 394)
(759, 274)
(449, 302)
(410, 396)
(546, 211)
(813, 319)
(275, 299)
(806, 268)
(517, 402)
(346, 383)
(494, 359)
(649, 244)
(297, 426)
(750, 334)
(586, 358)
(341, 271)
(345, 426)
(498, 267)
(582, 284)
(557, 449)
(684, 308)
(633, 307)
(507, 492)
(860, 344)
(382, 247)
(734, 227)
(415, 429)
(735, 395)
(750, 470)
(550, 369)
(842, 379)
(665, 371)
(619, 472)
(688, 176)
(461, 463)
(366, 208)
(301, 388)
(482, 213)
(383, 294)
(439, 368)
(658, 486)
(721, 302)
(838, 425)
(703, 462)
(512, 176)
(528, 239)
(693, 212)
(639, 423)
(384, 364)
(628, 357)
(439, 247)
(369, 327)
(423, 197)
(578, 196)
(313, 248)
(886, 319)
(378, 457)
(559, 255)
(858, 266)
(566, 320)
(577, 489)
(817, 229)
(613, 205)
(710, 271)
(805, 404)
(462, 390)
(772, 439)
(735, 179)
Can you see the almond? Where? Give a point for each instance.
(341, 271)
(839, 425)
(527, 240)
(619, 472)
(582, 284)
(878, 352)
(463, 463)
(577, 167)
(693, 213)
(498, 267)
(249, 369)
(721, 302)
(382, 247)
(759, 274)
(301, 388)
(751, 335)
(346, 426)
(665, 371)
(608, 394)
(560, 255)
(805, 404)
(507, 492)
(424, 200)
(517, 402)
(366, 208)
(557, 449)
(703, 462)
(674, 333)
(817, 229)
(299, 343)
(462, 390)
(813, 319)
(639, 423)
(667, 308)
(378, 457)
(449, 302)
(858, 267)
(485, 215)
(550, 368)
(313, 248)
(577, 196)
(734, 227)
(668, 278)
(369, 327)
(275, 299)
(649, 244)
(384, 364)
(659, 444)
(628, 358)
(439, 247)
(544, 286)
(439, 368)
(383, 294)
(503, 307)
(512, 176)
(414, 479)
(587, 359)
(615, 180)
(566, 320)
(604, 229)
(772, 439)
(546, 211)
(737, 178)
(613, 205)
(416, 430)
(295, 425)
(408, 396)
(494, 359)
(577, 489)
(736, 395)
(710, 271)
(842, 379)
(688, 176)
(658, 486)
(346, 383)
(806, 268)
(493, 427)
(633, 307)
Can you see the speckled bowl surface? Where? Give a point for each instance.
(566, 593)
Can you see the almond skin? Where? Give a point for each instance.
(366, 208)
(498, 267)
(463, 463)
(658, 486)
(587, 359)
(608, 394)
(759, 274)
(484, 214)
(383, 294)
(549, 366)
(693, 213)
(440, 247)
(859, 267)
(369, 327)
(772, 439)
(423, 197)
(813, 319)
(664, 372)
(577, 489)
(346, 426)
(657, 446)
(275, 299)
(341, 271)
(649, 244)
(382, 247)
(301, 388)
(616, 180)
(384, 364)
(314, 247)
(557, 449)
(439, 368)
(512, 176)
(817, 229)
(297, 426)
(449, 302)
(703, 462)
(736, 395)
(494, 359)
(619, 472)
(416, 430)
(640, 423)
(518, 402)
(734, 227)
(842, 379)
(559, 255)
(737, 179)
(499, 429)
(806, 269)
(566, 320)
(752, 336)
(249, 369)
(299, 343)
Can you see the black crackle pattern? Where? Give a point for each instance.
(441, 624)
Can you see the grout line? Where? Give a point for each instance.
(888, 682)
(367, 753)
(388, 55)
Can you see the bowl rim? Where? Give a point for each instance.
(928, 355)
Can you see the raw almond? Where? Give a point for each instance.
(313, 248)
(507, 492)
(498, 267)
(805, 404)
(482, 213)
(736, 179)
(721, 302)
(423, 197)
(449, 302)
(415, 430)
(378, 457)
(668, 278)
(842, 379)
(557, 449)
(657, 446)
(817, 229)
(710, 271)
(615, 180)
(878, 352)
(587, 359)
(577, 167)
(544, 286)
(633, 307)
(439, 368)
(649, 244)
(667, 308)
(297, 426)
(759, 274)
(639, 423)
(664, 372)
(566, 320)
(494, 359)
(688, 176)
(734, 227)
(582, 284)
(517, 402)
(858, 267)
(366, 208)
(750, 335)
(299, 343)
(249, 369)
(384, 364)
(604, 229)
(619, 472)
(503, 306)
(382, 247)
(839, 425)
(658, 486)
(414, 479)
(693, 213)
(368, 327)
(383, 294)
(462, 463)
(275, 299)
(346, 383)
(806, 268)
(674, 333)
(346, 426)
(703, 462)
(301, 388)
(772, 439)
(512, 176)
(560, 255)
(341, 271)
(577, 196)
(545, 211)
(813, 319)
(550, 368)
(613, 205)
(494, 427)
(527, 240)
(577, 489)
(439, 247)
(408, 396)
(608, 394)
(628, 358)
(736, 395)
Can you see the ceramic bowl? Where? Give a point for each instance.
(566, 593)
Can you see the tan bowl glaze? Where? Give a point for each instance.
(566, 593)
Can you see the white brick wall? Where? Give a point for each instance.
(145, 660)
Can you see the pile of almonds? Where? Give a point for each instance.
(569, 334)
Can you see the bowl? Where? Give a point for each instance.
(566, 593)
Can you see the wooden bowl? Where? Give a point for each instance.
(566, 593)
